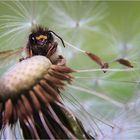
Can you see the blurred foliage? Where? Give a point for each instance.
(108, 29)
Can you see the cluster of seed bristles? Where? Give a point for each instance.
(40, 96)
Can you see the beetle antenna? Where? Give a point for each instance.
(58, 37)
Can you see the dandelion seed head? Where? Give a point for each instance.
(73, 21)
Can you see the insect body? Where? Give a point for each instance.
(42, 42)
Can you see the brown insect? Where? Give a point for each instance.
(42, 42)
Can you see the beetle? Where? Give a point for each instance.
(42, 42)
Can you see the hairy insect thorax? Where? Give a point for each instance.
(41, 42)
(39, 49)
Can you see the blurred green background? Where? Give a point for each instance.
(109, 29)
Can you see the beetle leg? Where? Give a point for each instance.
(52, 49)
(29, 54)
(61, 61)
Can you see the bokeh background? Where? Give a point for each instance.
(107, 103)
